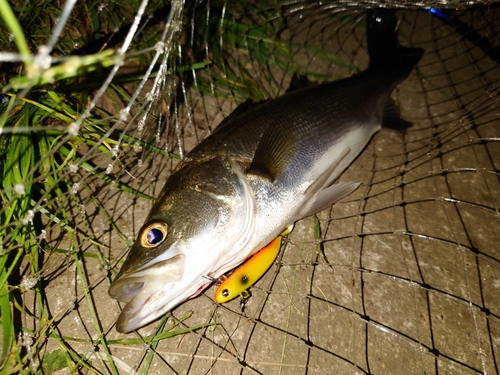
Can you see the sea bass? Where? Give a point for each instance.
(262, 169)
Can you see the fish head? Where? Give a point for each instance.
(195, 231)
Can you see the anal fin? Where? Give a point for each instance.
(392, 119)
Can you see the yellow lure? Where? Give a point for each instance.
(249, 272)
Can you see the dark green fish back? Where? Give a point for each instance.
(300, 121)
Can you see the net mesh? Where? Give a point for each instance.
(101, 100)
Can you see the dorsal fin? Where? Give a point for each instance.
(298, 83)
(244, 107)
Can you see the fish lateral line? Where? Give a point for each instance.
(250, 271)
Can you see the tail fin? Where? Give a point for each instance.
(385, 53)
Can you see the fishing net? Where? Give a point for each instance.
(101, 99)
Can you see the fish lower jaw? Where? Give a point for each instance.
(155, 300)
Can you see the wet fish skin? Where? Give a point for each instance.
(261, 170)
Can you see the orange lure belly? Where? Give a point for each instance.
(249, 272)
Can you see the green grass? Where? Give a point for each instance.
(37, 153)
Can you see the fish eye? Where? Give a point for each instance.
(153, 234)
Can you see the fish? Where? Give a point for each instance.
(249, 272)
(267, 165)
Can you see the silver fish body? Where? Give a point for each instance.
(260, 171)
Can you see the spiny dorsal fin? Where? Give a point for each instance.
(298, 83)
(244, 107)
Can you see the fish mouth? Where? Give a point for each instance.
(149, 292)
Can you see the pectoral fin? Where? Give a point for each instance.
(273, 154)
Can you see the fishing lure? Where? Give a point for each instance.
(249, 272)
